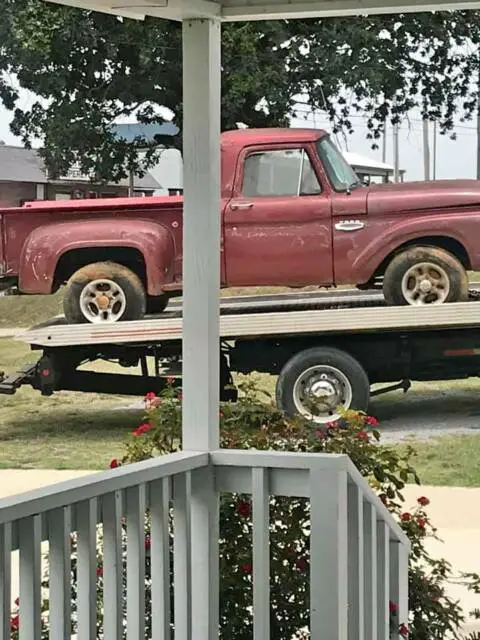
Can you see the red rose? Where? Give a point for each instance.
(143, 428)
(332, 425)
(243, 509)
(247, 567)
(393, 607)
(406, 517)
(421, 523)
(301, 564)
(371, 421)
(150, 396)
(403, 630)
(14, 623)
(99, 572)
(114, 463)
(363, 435)
(423, 501)
(148, 542)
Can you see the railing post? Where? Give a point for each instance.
(383, 580)
(30, 535)
(399, 582)
(59, 531)
(204, 533)
(6, 578)
(370, 570)
(356, 603)
(328, 555)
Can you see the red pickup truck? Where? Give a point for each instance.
(293, 214)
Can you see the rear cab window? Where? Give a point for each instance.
(279, 172)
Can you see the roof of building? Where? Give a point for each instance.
(130, 132)
(25, 165)
(358, 160)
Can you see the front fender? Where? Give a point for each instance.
(384, 243)
(45, 246)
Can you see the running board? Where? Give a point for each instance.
(326, 321)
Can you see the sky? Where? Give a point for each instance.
(455, 158)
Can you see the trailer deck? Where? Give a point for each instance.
(329, 345)
(341, 316)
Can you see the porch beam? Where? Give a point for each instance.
(201, 233)
(257, 10)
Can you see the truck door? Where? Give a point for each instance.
(277, 226)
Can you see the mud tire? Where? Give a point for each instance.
(124, 278)
(401, 263)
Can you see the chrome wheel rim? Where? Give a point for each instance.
(319, 392)
(425, 283)
(102, 300)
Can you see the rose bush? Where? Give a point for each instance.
(253, 423)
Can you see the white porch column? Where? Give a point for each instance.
(201, 233)
(201, 283)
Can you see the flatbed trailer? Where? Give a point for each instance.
(327, 349)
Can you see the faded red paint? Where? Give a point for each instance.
(288, 241)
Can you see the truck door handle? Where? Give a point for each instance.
(236, 206)
(349, 225)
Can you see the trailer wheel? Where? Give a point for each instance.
(104, 292)
(425, 275)
(157, 304)
(316, 382)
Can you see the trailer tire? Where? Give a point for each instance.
(99, 284)
(425, 275)
(336, 376)
(157, 304)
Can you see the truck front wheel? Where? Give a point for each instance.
(104, 292)
(425, 275)
(318, 382)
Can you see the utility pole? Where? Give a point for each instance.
(426, 151)
(434, 172)
(384, 142)
(478, 134)
(396, 154)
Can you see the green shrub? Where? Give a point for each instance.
(255, 424)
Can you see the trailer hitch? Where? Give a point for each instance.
(10, 383)
(404, 385)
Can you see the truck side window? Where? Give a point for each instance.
(286, 172)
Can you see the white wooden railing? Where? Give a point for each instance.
(358, 554)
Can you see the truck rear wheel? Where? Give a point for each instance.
(104, 292)
(317, 382)
(425, 275)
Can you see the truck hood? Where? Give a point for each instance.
(422, 196)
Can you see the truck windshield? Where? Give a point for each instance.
(339, 172)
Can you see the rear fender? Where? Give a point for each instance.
(47, 244)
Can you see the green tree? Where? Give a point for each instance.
(88, 68)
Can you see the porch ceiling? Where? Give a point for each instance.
(238, 10)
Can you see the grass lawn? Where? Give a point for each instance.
(449, 461)
(65, 431)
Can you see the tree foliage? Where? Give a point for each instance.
(88, 69)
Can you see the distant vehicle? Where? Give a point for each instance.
(294, 213)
